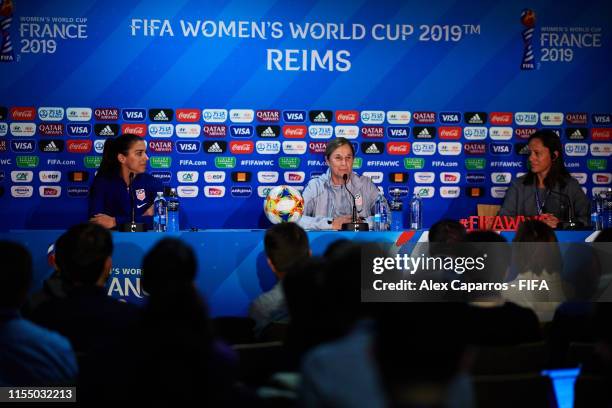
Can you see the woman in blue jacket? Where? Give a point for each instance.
(110, 204)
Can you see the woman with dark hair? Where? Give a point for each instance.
(547, 189)
(327, 204)
(124, 161)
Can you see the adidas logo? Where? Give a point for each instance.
(268, 132)
(424, 132)
(161, 116)
(215, 148)
(576, 134)
(107, 131)
(475, 119)
(51, 147)
(372, 149)
(320, 117)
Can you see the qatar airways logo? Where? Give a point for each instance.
(268, 115)
(373, 132)
(106, 114)
(524, 133)
(576, 118)
(51, 129)
(317, 147)
(424, 117)
(214, 130)
(188, 115)
(159, 146)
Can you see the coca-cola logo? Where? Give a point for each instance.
(295, 131)
(246, 147)
(79, 146)
(138, 130)
(345, 117)
(600, 134)
(106, 113)
(188, 115)
(22, 113)
(501, 118)
(396, 148)
(449, 132)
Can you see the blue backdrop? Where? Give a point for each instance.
(243, 95)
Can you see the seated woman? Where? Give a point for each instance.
(547, 189)
(110, 204)
(327, 204)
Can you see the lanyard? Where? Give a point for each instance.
(540, 204)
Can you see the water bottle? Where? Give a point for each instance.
(380, 213)
(173, 212)
(160, 213)
(416, 213)
(397, 223)
(606, 204)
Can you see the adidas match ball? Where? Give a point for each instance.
(284, 204)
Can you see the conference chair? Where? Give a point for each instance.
(523, 390)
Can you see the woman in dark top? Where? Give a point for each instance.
(547, 189)
(110, 203)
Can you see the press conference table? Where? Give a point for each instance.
(232, 267)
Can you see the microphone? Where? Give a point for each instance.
(345, 178)
(354, 225)
(570, 223)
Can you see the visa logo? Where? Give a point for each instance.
(602, 119)
(22, 146)
(450, 117)
(498, 148)
(79, 130)
(133, 115)
(241, 131)
(294, 116)
(398, 132)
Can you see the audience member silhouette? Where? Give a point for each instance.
(30, 355)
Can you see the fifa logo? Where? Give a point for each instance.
(528, 19)
(6, 19)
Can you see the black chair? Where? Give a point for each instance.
(522, 390)
(258, 361)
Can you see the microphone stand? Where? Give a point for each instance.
(354, 225)
(570, 224)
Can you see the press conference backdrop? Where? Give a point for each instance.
(234, 97)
